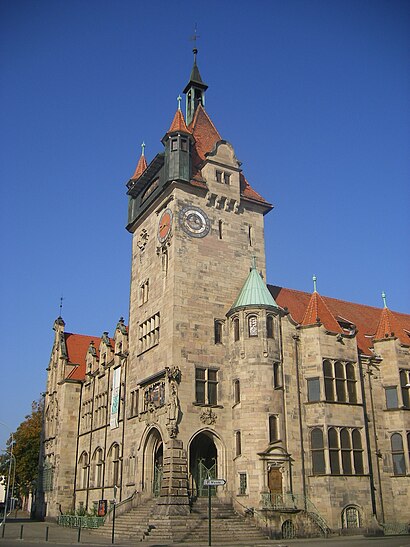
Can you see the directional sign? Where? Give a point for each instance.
(214, 482)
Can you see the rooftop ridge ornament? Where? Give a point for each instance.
(314, 278)
(384, 299)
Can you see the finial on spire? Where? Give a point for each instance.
(61, 304)
(384, 299)
(179, 99)
(143, 148)
(314, 283)
(253, 262)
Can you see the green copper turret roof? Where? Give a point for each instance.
(195, 79)
(254, 293)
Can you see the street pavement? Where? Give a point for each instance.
(34, 533)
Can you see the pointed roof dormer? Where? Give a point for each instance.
(141, 165)
(194, 91)
(318, 312)
(178, 124)
(389, 326)
(254, 292)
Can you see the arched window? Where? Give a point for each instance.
(340, 381)
(346, 447)
(351, 517)
(334, 451)
(218, 331)
(399, 463)
(236, 329)
(83, 464)
(269, 326)
(114, 459)
(97, 468)
(357, 452)
(351, 383)
(318, 451)
(252, 325)
(236, 392)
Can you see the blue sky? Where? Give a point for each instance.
(313, 95)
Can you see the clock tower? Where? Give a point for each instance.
(196, 224)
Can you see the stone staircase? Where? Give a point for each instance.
(144, 523)
(133, 524)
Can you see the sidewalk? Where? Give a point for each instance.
(36, 532)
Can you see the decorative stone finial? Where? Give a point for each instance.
(253, 264)
(384, 299)
(314, 283)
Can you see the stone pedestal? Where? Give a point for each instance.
(173, 498)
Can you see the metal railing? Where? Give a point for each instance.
(295, 502)
(76, 521)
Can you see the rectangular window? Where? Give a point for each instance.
(276, 375)
(206, 386)
(273, 428)
(405, 387)
(184, 145)
(238, 443)
(243, 484)
(391, 397)
(236, 392)
(313, 385)
(218, 175)
(134, 403)
(227, 178)
(149, 333)
(174, 145)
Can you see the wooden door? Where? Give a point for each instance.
(275, 481)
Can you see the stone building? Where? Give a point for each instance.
(300, 402)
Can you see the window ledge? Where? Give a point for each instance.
(207, 405)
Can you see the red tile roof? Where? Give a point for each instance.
(317, 311)
(141, 166)
(77, 347)
(390, 326)
(178, 123)
(206, 136)
(365, 318)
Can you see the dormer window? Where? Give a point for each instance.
(222, 177)
(227, 178)
(174, 145)
(218, 175)
(184, 145)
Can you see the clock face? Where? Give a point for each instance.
(164, 225)
(194, 221)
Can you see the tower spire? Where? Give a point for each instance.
(194, 90)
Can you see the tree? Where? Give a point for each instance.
(26, 450)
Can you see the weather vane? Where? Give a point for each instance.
(195, 36)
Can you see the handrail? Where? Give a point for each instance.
(295, 502)
(121, 507)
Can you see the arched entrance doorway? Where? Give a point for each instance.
(153, 462)
(203, 463)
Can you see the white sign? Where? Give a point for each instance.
(115, 398)
(214, 482)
